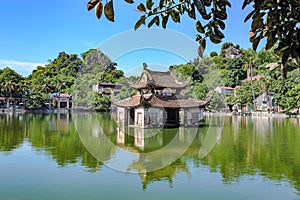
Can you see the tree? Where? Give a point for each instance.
(127, 90)
(10, 87)
(287, 90)
(277, 21)
(197, 90)
(217, 102)
(213, 54)
(102, 102)
(184, 71)
(235, 72)
(246, 93)
(9, 83)
(36, 99)
(249, 57)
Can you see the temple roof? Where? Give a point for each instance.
(58, 94)
(109, 84)
(159, 80)
(160, 101)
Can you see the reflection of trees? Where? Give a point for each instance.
(256, 148)
(12, 131)
(269, 147)
(57, 135)
(53, 133)
(97, 134)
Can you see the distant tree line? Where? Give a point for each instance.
(231, 67)
(70, 73)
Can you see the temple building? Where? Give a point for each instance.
(61, 100)
(106, 88)
(158, 103)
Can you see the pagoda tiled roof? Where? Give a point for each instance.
(160, 101)
(159, 80)
(63, 95)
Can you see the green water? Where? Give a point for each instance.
(87, 156)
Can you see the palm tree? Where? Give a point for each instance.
(10, 87)
(249, 56)
(24, 90)
(59, 86)
(46, 88)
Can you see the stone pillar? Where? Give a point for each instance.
(181, 117)
(58, 104)
(68, 104)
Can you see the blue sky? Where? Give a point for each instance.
(34, 31)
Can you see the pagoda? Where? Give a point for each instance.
(158, 103)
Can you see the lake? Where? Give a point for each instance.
(87, 156)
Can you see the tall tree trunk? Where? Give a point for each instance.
(283, 71)
(253, 95)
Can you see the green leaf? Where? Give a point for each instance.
(162, 3)
(154, 20)
(220, 14)
(165, 20)
(221, 24)
(191, 12)
(199, 27)
(129, 1)
(178, 17)
(249, 16)
(206, 17)
(141, 7)
(141, 21)
(215, 39)
(203, 43)
(99, 9)
(198, 38)
(245, 3)
(175, 16)
(149, 4)
(178, 9)
(109, 11)
(227, 3)
(200, 7)
(172, 13)
(207, 2)
(257, 21)
(91, 4)
(218, 33)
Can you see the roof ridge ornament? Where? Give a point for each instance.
(159, 80)
(145, 66)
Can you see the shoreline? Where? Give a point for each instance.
(248, 114)
(48, 111)
(254, 114)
